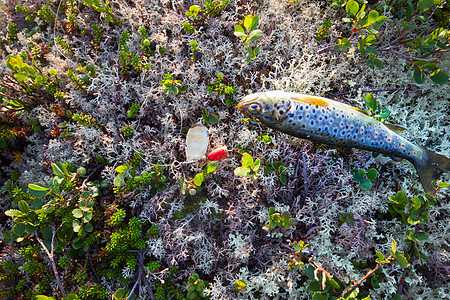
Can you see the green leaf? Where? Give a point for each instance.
(255, 35)
(365, 185)
(424, 5)
(39, 80)
(77, 213)
(23, 206)
(372, 50)
(239, 31)
(362, 48)
(372, 16)
(122, 169)
(380, 255)
(375, 282)
(20, 228)
(419, 76)
(42, 297)
(383, 114)
(315, 286)
(77, 243)
(332, 283)
(59, 169)
(248, 22)
(378, 63)
(256, 165)
(379, 21)
(242, 171)
(370, 40)
(396, 297)
(89, 227)
(211, 167)
(393, 247)
(352, 7)
(347, 20)
(76, 225)
(247, 160)
(439, 77)
(416, 237)
(309, 271)
(400, 198)
(198, 179)
(443, 184)
(14, 213)
(38, 189)
(402, 260)
(47, 233)
(85, 194)
(372, 174)
(119, 180)
(358, 175)
(372, 31)
(371, 102)
(213, 119)
(87, 217)
(71, 296)
(283, 179)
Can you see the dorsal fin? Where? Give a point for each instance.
(360, 110)
(311, 100)
(395, 127)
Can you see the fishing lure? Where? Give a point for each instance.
(336, 124)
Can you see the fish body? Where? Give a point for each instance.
(336, 124)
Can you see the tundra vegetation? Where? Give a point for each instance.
(98, 202)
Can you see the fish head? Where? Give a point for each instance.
(266, 107)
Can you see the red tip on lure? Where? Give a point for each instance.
(218, 154)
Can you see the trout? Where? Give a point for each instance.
(340, 125)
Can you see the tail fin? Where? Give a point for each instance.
(430, 167)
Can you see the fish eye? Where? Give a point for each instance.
(254, 108)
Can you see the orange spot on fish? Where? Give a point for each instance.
(311, 100)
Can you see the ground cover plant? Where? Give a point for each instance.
(97, 199)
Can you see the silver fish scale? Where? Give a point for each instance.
(341, 125)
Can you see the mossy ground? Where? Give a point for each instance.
(220, 236)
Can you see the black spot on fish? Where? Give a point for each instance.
(301, 107)
(290, 115)
(320, 118)
(281, 112)
(335, 130)
(300, 117)
(313, 110)
(318, 129)
(312, 123)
